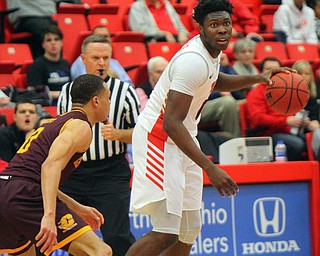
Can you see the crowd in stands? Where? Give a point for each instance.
(158, 21)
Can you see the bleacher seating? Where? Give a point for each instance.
(272, 49)
(164, 49)
(8, 35)
(7, 79)
(20, 54)
(304, 51)
(311, 155)
(72, 8)
(127, 36)
(130, 55)
(244, 118)
(109, 20)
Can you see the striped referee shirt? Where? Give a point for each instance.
(124, 111)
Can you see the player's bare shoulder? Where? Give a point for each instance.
(79, 131)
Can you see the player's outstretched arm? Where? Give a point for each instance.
(229, 83)
(176, 111)
(75, 137)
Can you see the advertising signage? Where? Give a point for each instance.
(263, 219)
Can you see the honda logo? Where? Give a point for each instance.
(269, 216)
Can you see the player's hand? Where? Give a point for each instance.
(222, 182)
(108, 132)
(268, 74)
(91, 216)
(47, 236)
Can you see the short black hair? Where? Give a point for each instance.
(52, 29)
(26, 101)
(261, 65)
(207, 6)
(85, 87)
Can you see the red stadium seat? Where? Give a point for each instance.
(111, 21)
(51, 109)
(266, 12)
(7, 79)
(164, 49)
(130, 55)
(310, 153)
(272, 49)
(140, 74)
(303, 51)
(104, 9)
(90, 2)
(72, 8)
(7, 34)
(71, 26)
(7, 67)
(8, 113)
(123, 5)
(244, 118)
(19, 54)
(127, 36)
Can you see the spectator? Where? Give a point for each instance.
(304, 68)
(222, 107)
(34, 17)
(294, 22)
(50, 69)
(78, 68)
(317, 20)
(267, 122)
(102, 180)
(155, 66)
(14, 135)
(158, 20)
(244, 51)
(244, 22)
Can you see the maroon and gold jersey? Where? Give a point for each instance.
(31, 155)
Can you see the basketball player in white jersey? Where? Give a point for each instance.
(167, 181)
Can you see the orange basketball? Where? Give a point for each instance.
(288, 94)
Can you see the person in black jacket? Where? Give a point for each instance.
(14, 135)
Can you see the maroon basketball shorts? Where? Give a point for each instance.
(21, 211)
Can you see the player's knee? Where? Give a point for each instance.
(101, 250)
(190, 227)
(189, 236)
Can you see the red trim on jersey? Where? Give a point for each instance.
(154, 182)
(155, 160)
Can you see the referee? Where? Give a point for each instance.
(102, 180)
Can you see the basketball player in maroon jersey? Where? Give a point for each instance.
(33, 211)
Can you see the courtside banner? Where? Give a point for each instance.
(263, 219)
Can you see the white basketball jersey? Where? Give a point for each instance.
(191, 71)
